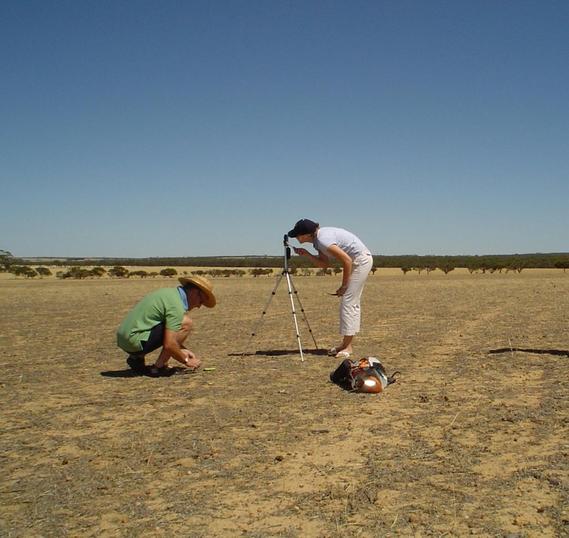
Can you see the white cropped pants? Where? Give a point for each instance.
(350, 312)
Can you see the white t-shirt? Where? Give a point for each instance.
(343, 239)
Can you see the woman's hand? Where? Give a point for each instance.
(341, 290)
(300, 251)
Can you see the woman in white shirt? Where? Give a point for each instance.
(356, 261)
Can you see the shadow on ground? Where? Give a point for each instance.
(279, 352)
(558, 352)
(128, 372)
(121, 373)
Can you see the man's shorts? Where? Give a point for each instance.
(155, 339)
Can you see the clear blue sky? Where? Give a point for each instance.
(184, 128)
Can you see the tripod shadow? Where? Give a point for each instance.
(279, 352)
(294, 296)
(558, 352)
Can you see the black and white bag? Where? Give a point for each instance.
(364, 375)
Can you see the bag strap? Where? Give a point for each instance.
(392, 378)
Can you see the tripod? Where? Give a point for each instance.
(291, 289)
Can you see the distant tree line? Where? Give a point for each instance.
(118, 271)
(486, 263)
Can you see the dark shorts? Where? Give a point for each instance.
(155, 339)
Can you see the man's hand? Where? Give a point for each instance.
(301, 251)
(194, 363)
(188, 354)
(191, 361)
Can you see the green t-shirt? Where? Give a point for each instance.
(160, 306)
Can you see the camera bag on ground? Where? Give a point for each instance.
(364, 375)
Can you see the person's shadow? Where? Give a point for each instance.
(557, 352)
(128, 372)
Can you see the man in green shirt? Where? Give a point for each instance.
(162, 318)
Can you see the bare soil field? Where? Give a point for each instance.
(472, 440)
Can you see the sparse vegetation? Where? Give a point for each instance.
(22, 270)
(118, 271)
(478, 263)
(6, 260)
(474, 264)
(260, 271)
(169, 271)
(98, 271)
(76, 272)
(446, 268)
(141, 273)
(43, 271)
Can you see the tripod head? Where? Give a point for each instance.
(286, 247)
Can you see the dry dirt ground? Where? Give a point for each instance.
(472, 440)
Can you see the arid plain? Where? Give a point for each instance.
(472, 440)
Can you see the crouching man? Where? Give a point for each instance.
(161, 319)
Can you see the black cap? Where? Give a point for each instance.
(303, 226)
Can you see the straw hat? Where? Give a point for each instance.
(203, 284)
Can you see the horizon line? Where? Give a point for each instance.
(271, 256)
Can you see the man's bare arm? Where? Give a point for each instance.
(172, 347)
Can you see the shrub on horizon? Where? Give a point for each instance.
(118, 271)
(75, 272)
(43, 271)
(141, 273)
(446, 268)
(22, 270)
(98, 271)
(169, 271)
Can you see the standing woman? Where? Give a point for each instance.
(356, 261)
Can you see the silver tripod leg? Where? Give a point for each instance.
(290, 286)
(303, 312)
(262, 318)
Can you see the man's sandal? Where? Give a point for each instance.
(164, 371)
(136, 363)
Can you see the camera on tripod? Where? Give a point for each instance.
(287, 248)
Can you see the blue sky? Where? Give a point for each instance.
(181, 128)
